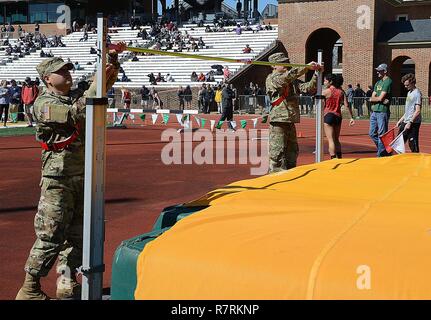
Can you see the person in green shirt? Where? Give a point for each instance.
(380, 102)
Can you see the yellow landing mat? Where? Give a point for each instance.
(341, 229)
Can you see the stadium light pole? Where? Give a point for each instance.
(94, 186)
(319, 112)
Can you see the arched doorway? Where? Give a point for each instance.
(330, 42)
(400, 66)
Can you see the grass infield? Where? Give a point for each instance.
(16, 131)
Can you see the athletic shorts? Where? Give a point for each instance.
(332, 119)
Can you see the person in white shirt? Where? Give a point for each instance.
(410, 122)
(169, 78)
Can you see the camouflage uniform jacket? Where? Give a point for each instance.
(57, 118)
(288, 110)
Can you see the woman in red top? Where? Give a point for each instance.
(335, 97)
(127, 98)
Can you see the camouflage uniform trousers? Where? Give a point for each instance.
(58, 225)
(283, 146)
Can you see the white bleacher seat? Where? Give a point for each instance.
(218, 44)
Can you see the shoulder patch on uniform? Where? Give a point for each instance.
(46, 112)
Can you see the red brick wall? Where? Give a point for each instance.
(297, 21)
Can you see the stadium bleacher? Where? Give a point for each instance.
(218, 44)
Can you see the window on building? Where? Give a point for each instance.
(402, 17)
(44, 12)
(37, 13)
(52, 11)
(2, 12)
(13, 12)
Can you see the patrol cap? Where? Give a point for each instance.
(52, 65)
(279, 57)
(382, 67)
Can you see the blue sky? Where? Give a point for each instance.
(232, 3)
(262, 3)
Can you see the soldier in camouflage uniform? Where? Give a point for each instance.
(283, 89)
(60, 115)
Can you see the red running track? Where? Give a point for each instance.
(138, 187)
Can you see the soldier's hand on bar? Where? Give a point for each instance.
(315, 66)
(118, 48)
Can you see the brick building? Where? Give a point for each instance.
(357, 35)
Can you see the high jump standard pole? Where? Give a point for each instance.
(94, 186)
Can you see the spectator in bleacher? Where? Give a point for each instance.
(145, 96)
(200, 23)
(226, 73)
(19, 31)
(135, 57)
(4, 101)
(180, 94)
(201, 43)
(29, 93)
(143, 34)
(3, 31)
(238, 29)
(247, 49)
(170, 26)
(169, 78)
(152, 78)
(209, 77)
(201, 77)
(208, 29)
(37, 81)
(93, 50)
(15, 100)
(75, 26)
(194, 46)
(268, 27)
(219, 69)
(125, 78)
(258, 28)
(160, 78)
(10, 30)
(188, 95)
(36, 28)
(85, 37)
(76, 66)
(194, 77)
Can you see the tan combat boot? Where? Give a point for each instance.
(68, 288)
(31, 290)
